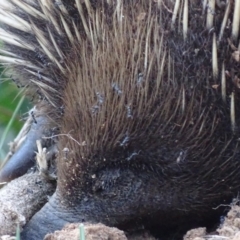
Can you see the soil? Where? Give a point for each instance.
(228, 230)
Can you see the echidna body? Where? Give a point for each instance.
(144, 94)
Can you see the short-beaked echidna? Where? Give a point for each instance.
(144, 94)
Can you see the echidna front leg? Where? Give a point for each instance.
(47, 220)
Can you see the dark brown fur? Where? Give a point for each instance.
(139, 100)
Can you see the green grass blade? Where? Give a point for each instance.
(5, 133)
(82, 233)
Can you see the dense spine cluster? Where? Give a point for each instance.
(144, 94)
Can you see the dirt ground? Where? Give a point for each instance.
(228, 230)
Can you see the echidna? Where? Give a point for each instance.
(145, 96)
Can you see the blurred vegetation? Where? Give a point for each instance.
(13, 107)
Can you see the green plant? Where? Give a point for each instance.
(13, 106)
(18, 233)
(82, 233)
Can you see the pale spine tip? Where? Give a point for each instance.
(204, 6)
(81, 14)
(236, 20)
(232, 112)
(214, 57)
(175, 12)
(185, 19)
(210, 13)
(223, 83)
(183, 100)
(11, 60)
(14, 40)
(67, 29)
(14, 21)
(30, 10)
(62, 7)
(224, 22)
